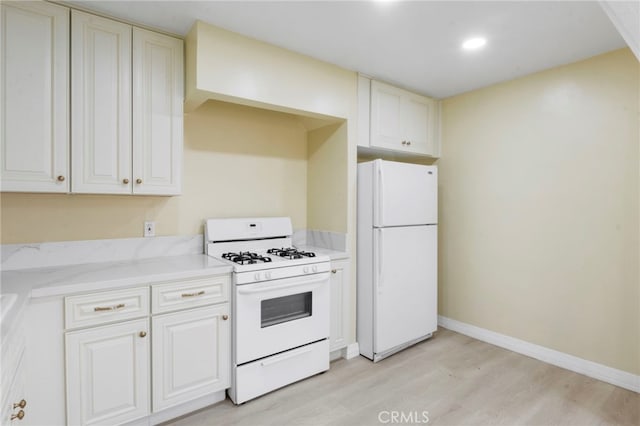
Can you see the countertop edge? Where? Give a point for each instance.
(119, 283)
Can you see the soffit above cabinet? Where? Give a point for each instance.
(226, 66)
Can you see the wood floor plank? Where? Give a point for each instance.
(456, 379)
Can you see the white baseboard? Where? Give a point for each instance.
(186, 408)
(352, 351)
(347, 352)
(579, 365)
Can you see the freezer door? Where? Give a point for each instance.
(405, 285)
(404, 194)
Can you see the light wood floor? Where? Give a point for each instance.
(457, 379)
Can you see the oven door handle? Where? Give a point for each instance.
(266, 287)
(286, 356)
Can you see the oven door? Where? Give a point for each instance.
(278, 315)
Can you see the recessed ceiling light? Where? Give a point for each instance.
(474, 43)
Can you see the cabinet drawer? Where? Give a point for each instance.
(189, 293)
(105, 307)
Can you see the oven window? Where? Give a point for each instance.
(286, 308)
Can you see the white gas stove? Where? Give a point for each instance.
(280, 304)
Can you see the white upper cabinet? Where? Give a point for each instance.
(34, 110)
(119, 87)
(100, 105)
(400, 120)
(157, 113)
(127, 95)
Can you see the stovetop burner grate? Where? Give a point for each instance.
(290, 253)
(246, 258)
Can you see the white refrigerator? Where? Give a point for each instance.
(397, 256)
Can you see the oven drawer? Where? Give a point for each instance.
(267, 374)
(105, 307)
(189, 293)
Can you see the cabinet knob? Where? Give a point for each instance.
(408, 142)
(138, 181)
(60, 178)
(333, 271)
(18, 416)
(225, 317)
(125, 181)
(143, 334)
(404, 142)
(20, 404)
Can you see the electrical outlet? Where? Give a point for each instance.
(149, 229)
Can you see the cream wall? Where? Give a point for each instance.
(238, 161)
(328, 184)
(539, 218)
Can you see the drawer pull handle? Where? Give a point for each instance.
(20, 404)
(200, 293)
(18, 416)
(108, 308)
(292, 354)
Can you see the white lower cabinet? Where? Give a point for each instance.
(108, 371)
(14, 409)
(14, 400)
(131, 360)
(340, 305)
(191, 354)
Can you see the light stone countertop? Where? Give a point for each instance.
(333, 254)
(69, 279)
(58, 281)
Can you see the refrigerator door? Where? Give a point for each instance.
(404, 194)
(405, 285)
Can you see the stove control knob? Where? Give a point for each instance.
(267, 275)
(305, 269)
(314, 268)
(256, 276)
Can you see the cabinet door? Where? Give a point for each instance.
(340, 305)
(15, 396)
(34, 110)
(100, 105)
(108, 373)
(191, 354)
(157, 113)
(364, 106)
(416, 111)
(386, 116)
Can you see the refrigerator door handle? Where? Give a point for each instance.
(379, 196)
(378, 261)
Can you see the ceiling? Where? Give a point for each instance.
(414, 44)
